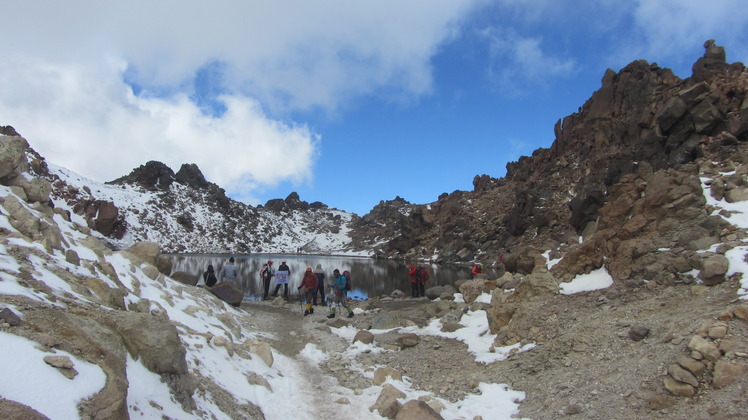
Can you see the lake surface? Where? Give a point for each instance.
(369, 277)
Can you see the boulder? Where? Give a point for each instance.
(228, 292)
(728, 372)
(417, 410)
(387, 404)
(154, 341)
(408, 340)
(386, 321)
(12, 155)
(185, 278)
(364, 336)
(147, 251)
(714, 269)
(10, 317)
(437, 291)
(471, 289)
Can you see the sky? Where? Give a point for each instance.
(347, 103)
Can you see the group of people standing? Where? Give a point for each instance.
(313, 285)
(229, 272)
(418, 278)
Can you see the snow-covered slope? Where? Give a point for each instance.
(185, 219)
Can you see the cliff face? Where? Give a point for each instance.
(644, 132)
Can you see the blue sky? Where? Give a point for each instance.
(344, 103)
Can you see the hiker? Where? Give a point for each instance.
(413, 272)
(266, 274)
(229, 272)
(209, 277)
(281, 278)
(309, 284)
(423, 275)
(320, 273)
(477, 269)
(341, 294)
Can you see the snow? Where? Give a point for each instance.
(39, 385)
(595, 280)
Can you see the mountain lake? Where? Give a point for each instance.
(369, 277)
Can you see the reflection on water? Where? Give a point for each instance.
(369, 277)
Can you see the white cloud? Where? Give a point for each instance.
(518, 61)
(664, 29)
(67, 65)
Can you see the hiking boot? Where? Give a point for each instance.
(331, 316)
(311, 310)
(350, 314)
(306, 313)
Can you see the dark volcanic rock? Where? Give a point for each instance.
(151, 176)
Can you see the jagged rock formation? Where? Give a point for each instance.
(623, 173)
(184, 212)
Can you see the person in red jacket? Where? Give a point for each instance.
(424, 277)
(413, 272)
(309, 284)
(477, 269)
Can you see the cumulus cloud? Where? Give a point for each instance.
(125, 78)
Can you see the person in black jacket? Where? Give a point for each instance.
(266, 274)
(209, 277)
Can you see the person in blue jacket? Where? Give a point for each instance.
(339, 288)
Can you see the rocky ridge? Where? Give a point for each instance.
(185, 213)
(643, 129)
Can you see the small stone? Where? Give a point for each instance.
(694, 366)
(365, 337)
(10, 317)
(661, 402)
(679, 389)
(706, 348)
(741, 313)
(725, 316)
(682, 375)
(717, 331)
(573, 409)
(343, 400)
(638, 332)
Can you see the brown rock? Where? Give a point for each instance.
(387, 404)
(726, 372)
(679, 389)
(741, 312)
(638, 332)
(693, 366)
(417, 410)
(10, 317)
(185, 278)
(682, 375)
(15, 410)
(228, 292)
(408, 340)
(364, 336)
(717, 331)
(706, 348)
